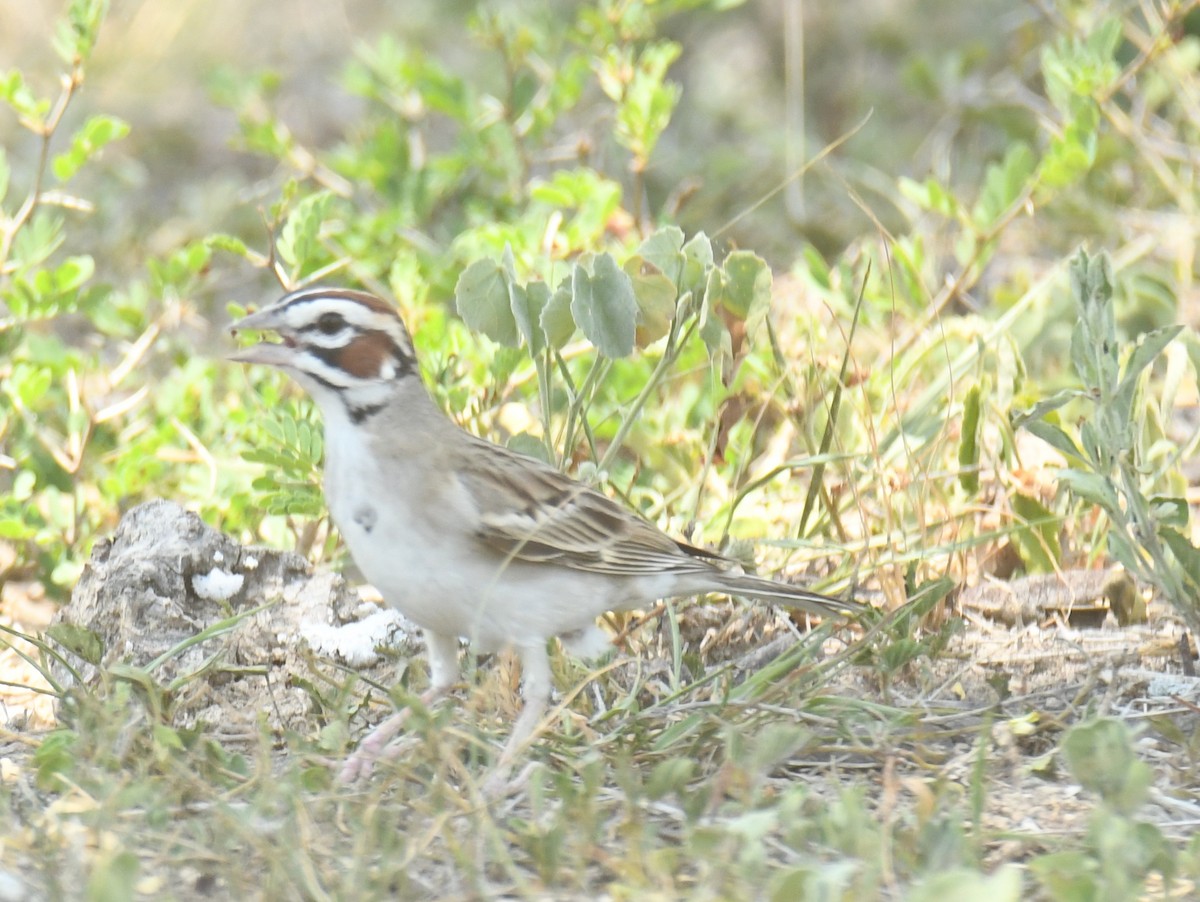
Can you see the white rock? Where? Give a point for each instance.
(355, 643)
(217, 584)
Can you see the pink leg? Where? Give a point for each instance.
(378, 745)
(537, 683)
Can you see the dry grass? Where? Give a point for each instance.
(726, 751)
(817, 771)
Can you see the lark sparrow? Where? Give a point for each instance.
(468, 538)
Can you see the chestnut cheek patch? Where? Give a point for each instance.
(370, 356)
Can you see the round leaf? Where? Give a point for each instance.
(483, 301)
(605, 307)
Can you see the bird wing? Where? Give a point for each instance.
(531, 512)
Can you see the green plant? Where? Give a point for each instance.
(49, 415)
(1120, 852)
(102, 393)
(556, 177)
(539, 255)
(669, 289)
(1110, 455)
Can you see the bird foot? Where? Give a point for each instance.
(377, 746)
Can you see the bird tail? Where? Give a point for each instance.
(790, 596)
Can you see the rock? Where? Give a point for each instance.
(164, 577)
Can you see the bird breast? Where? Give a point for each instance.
(410, 528)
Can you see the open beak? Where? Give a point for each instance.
(267, 353)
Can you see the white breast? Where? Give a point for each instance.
(377, 506)
(410, 529)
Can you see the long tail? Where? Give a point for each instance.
(790, 596)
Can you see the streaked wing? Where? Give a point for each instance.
(529, 511)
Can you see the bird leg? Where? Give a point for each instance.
(378, 744)
(537, 681)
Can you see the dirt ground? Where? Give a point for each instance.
(1029, 682)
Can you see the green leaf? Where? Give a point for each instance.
(1187, 554)
(1093, 286)
(1003, 184)
(1103, 43)
(112, 877)
(713, 331)
(1094, 350)
(55, 755)
(1091, 487)
(509, 262)
(1104, 439)
(530, 446)
(1072, 153)
(1091, 279)
(655, 295)
(556, 319)
(815, 269)
(775, 743)
(930, 195)
(1071, 876)
(86, 143)
(274, 428)
(17, 95)
(1036, 535)
(645, 100)
(664, 249)
(1122, 549)
(604, 306)
(24, 484)
(29, 383)
(72, 273)
(308, 442)
(968, 448)
(1169, 510)
(746, 286)
(268, 457)
(14, 528)
(1075, 69)
(1145, 353)
(166, 738)
(1043, 408)
(587, 196)
(697, 263)
(970, 886)
(1101, 756)
(76, 34)
(671, 775)
(527, 305)
(41, 237)
(483, 301)
(1054, 436)
(79, 640)
(298, 238)
(230, 244)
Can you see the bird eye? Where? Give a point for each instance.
(330, 323)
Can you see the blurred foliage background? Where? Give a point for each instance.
(215, 150)
(800, 279)
(764, 85)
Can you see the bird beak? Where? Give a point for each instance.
(264, 353)
(267, 353)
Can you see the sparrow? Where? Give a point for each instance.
(467, 538)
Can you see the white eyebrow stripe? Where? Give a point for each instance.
(303, 308)
(303, 312)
